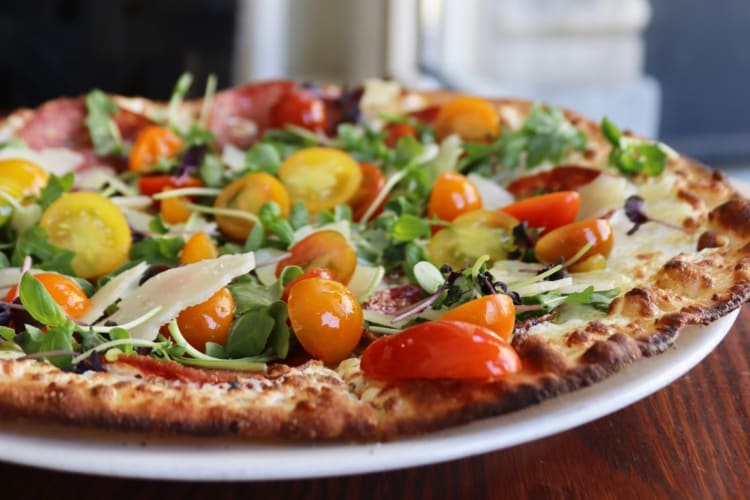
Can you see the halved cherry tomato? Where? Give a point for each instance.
(566, 241)
(301, 108)
(472, 118)
(471, 235)
(328, 249)
(150, 185)
(548, 211)
(28, 175)
(373, 182)
(396, 131)
(440, 350)
(209, 321)
(321, 177)
(495, 312)
(315, 272)
(562, 178)
(199, 247)
(248, 194)
(174, 210)
(13, 189)
(91, 226)
(326, 318)
(152, 144)
(453, 195)
(64, 291)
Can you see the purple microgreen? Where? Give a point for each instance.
(635, 214)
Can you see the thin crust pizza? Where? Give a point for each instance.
(286, 262)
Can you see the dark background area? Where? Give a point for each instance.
(697, 49)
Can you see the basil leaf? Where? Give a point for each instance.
(39, 303)
(249, 334)
(102, 128)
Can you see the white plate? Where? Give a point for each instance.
(136, 455)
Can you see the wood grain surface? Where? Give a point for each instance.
(689, 440)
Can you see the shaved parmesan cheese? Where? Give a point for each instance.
(493, 195)
(93, 179)
(179, 288)
(233, 157)
(603, 194)
(541, 287)
(265, 272)
(58, 161)
(113, 291)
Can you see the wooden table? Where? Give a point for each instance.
(689, 440)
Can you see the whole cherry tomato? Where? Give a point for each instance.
(209, 321)
(566, 241)
(396, 131)
(495, 312)
(440, 350)
(548, 211)
(64, 291)
(373, 182)
(326, 318)
(453, 195)
(562, 178)
(315, 272)
(153, 143)
(327, 249)
(472, 118)
(299, 107)
(150, 185)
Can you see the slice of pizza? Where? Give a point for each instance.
(286, 262)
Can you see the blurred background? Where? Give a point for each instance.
(677, 70)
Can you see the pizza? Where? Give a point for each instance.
(276, 261)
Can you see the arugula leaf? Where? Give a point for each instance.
(156, 225)
(34, 243)
(55, 187)
(102, 128)
(39, 303)
(633, 156)
(159, 250)
(550, 136)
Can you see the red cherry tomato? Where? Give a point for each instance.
(548, 211)
(373, 182)
(396, 131)
(301, 108)
(326, 318)
(440, 350)
(562, 178)
(328, 249)
(495, 312)
(150, 185)
(64, 291)
(453, 195)
(315, 272)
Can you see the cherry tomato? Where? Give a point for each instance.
(301, 108)
(471, 235)
(321, 177)
(150, 185)
(199, 247)
(396, 131)
(28, 175)
(453, 195)
(495, 312)
(64, 291)
(153, 143)
(373, 182)
(472, 118)
(440, 350)
(91, 226)
(548, 211)
(315, 272)
(562, 178)
(566, 241)
(328, 249)
(209, 321)
(14, 190)
(326, 318)
(248, 194)
(174, 210)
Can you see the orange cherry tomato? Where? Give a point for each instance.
(328, 249)
(174, 210)
(396, 131)
(495, 312)
(199, 247)
(153, 143)
(150, 185)
(566, 241)
(472, 118)
(209, 321)
(326, 318)
(299, 107)
(315, 272)
(562, 178)
(373, 182)
(440, 350)
(548, 211)
(248, 194)
(64, 291)
(453, 195)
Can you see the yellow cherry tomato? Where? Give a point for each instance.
(249, 194)
(472, 118)
(91, 226)
(30, 176)
(471, 235)
(566, 241)
(321, 177)
(209, 321)
(11, 191)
